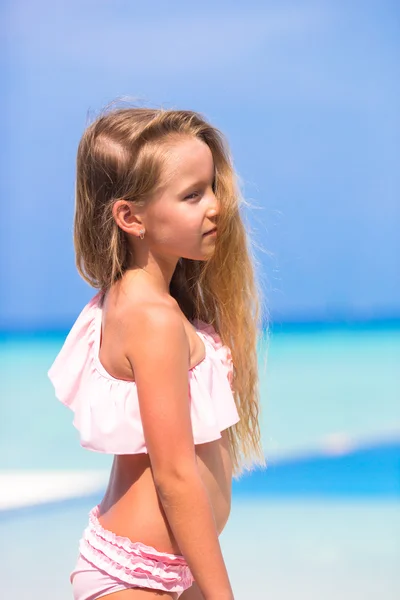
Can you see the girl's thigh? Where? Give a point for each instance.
(192, 593)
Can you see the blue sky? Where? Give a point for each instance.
(307, 94)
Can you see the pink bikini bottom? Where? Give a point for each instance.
(110, 563)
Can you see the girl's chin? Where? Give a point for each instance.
(202, 255)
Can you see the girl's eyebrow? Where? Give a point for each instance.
(194, 184)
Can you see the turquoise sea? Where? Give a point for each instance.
(318, 388)
(322, 521)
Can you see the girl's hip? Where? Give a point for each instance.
(109, 563)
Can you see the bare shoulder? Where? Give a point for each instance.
(147, 323)
(155, 330)
(142, 310)
(129, 304)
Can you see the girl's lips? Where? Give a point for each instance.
(212, 232)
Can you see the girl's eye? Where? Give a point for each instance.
(191, 195)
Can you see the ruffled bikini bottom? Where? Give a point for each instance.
(110, 563)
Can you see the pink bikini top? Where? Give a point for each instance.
(106, 409)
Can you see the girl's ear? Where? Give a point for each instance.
(126, 217)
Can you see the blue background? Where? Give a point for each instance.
(307, 94)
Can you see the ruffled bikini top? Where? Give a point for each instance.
(106, 409)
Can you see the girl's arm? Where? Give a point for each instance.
(158, 350)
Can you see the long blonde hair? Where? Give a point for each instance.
(121, 155)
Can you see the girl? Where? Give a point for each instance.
(160, 367)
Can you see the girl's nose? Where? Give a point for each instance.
(214, 205)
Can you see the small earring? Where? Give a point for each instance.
(141, 234)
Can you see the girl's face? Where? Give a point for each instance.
(186, 207)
